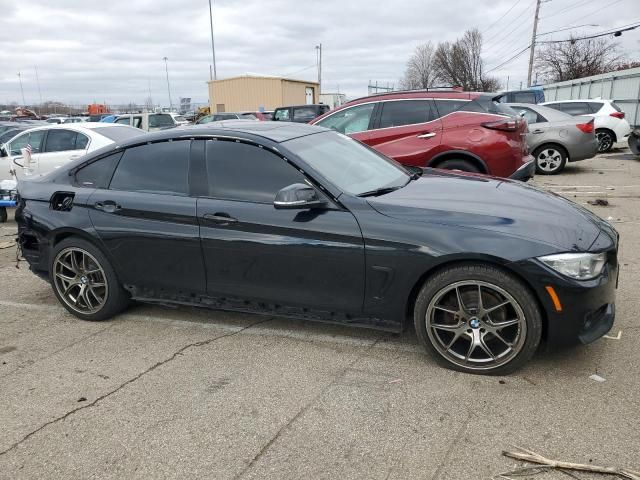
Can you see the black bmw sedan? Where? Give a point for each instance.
(295, 220)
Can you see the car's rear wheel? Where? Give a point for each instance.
(458, 164)
(84, 281)
(550, 159)
(478, 319)
(605, 140)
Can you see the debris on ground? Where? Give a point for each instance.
(599, 201)
(546, 464)
(597, 378)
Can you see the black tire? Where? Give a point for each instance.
(3, 214)
(459, 164)
(550, 159)
(529, 328)
(115, 298)
(605, 140)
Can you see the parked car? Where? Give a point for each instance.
(218, 117)
(179, 119)
(149, 122)
(98, 117)
(8, 134)
(556, 138)
(52, 146)
(452, 130)
(533, 95)
(59, 120)
(612, 129)
(322, 228)
(263, 116)
(299, 113)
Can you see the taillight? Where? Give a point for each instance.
(617, 115)
(586, 127)
(506, 124)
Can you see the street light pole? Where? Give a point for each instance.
(213, 45)
(166, 68)
(24, 104)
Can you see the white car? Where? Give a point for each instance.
(54, 145)
(179, 119)
(612, 130)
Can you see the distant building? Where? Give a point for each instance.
(252, 93)
(334, 100)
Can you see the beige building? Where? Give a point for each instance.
(249, 93)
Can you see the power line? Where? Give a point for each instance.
(603, 34)
(510, 59)
(517, 29)
(566, 9)
(597, 10)
(504, 15)
(521, 13)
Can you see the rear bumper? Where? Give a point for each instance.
(526, 171)
(583, 151)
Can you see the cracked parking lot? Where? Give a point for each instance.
(182, 392)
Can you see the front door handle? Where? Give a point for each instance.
(427, 135)
(537, 131)
(107, 206)
(220, 218)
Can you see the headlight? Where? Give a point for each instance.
(581, 266)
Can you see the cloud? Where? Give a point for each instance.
(113, 51)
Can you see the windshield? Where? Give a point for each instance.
(345, 162)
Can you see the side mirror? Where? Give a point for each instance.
(298, 196)
(413, 170)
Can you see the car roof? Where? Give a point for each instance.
(275, 131)
(580, 100)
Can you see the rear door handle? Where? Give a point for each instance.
(427, 135)
(107, 206)
(220, 218)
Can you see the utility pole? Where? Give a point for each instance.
(166, 68)
(24, 104)
(39, 91)
(213, 45)
(533, 42)
(507, 82)
(319, 51)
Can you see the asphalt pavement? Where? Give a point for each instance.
(183, 392)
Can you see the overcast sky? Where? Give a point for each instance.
(112, 50)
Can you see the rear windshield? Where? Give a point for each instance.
(118, 133)
(614, 105)
(161, 120)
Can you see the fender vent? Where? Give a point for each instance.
(61, 201)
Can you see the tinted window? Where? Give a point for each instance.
(523, 97)
(304, 114)
(60, 141)
(249, 116)
(123, 121)
(572, 108)
(98, 173)
(9, 134)
(33, 138)
(238, 171)
(224, 116)
(81, 141)
(596, 106)
(155, 168)
(160, 120)
(350, 120)
(445, 107)
(405, 112)
(119, 133)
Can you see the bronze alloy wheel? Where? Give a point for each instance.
(80, 280)
(476, 325)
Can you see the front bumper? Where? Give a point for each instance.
(588, 306)
(526, 171)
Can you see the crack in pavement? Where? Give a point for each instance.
(131, 380)
(461, 431)
(304, 408)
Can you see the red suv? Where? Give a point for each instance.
(454, 130)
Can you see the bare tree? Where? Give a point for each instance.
(420, 72)
(574, 58)
(460, 63)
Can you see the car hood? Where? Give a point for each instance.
(481, 202)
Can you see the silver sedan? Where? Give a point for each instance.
(556, 138)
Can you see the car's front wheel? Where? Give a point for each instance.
(84, 281)
(478, 319)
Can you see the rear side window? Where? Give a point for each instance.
(405, 112)
(304, 114)
(282, 115)
(596, 106)
(97, 174)
(445, 107)
(63, 140)
(530, 115)
(238, 171)
(154, 168)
